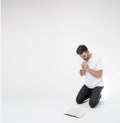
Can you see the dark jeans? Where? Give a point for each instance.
(85, 93)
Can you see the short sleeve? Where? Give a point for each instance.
(99, 64)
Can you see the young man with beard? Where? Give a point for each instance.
(92, 69)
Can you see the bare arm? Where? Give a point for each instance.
(97, 74)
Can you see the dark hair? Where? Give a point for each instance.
(81, 49)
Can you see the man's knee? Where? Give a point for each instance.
(79, 101)
(93, 103)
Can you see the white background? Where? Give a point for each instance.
(39, 41)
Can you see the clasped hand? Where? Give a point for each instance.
(85, 66)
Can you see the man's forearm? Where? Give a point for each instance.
(97, 74)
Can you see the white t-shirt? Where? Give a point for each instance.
(91, 81)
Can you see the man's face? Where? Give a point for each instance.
(85, 55)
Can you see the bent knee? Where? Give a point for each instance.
(92, 103)
(79, 101)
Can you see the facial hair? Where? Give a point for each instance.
(87, 58)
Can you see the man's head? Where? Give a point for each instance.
(82, 50)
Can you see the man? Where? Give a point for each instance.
(92, 69)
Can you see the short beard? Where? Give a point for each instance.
(87, 59)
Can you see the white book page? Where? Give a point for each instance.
(76, 112)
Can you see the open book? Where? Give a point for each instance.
(75, 112)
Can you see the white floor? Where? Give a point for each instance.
(52, 111)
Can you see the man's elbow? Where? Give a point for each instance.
(100, 73)
(99, 76)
